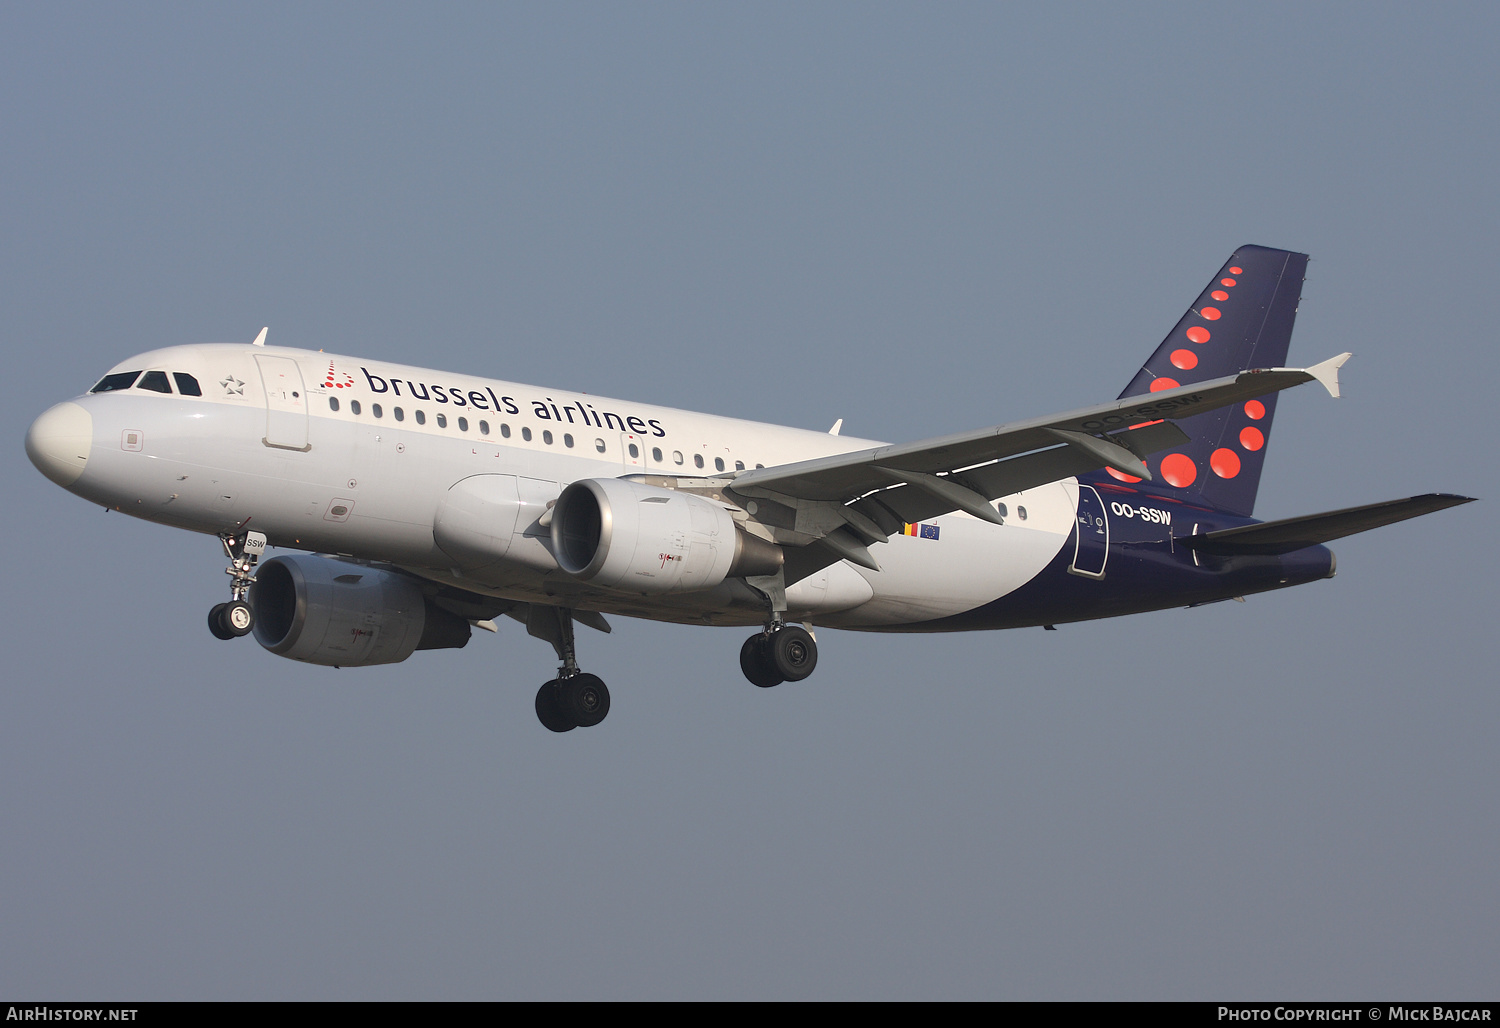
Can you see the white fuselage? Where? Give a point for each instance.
(354, 457)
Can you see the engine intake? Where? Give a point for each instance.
(331, 612)
(624, 535)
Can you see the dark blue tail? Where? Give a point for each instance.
(1243, 319)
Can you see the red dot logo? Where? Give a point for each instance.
(1164, 383)
(1211, 313)
(1220, 295)
(1227, 283)
(1255, 409)
(1226, 463)
(1197, 334)
(1236, 271)
(1251, 438)
(1122, 476)
(1179, 470)
(330, 380)
(1187, 360)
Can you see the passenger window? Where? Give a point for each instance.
(526, 434)
(400, 414)
(187, 385)
(547, 436)
(635, 451)
(375, 409)
(156, 381)
(599, 445)
(504, 430)
(1020, 512)
(697, 460)
(676, 456)
(333, 403)
(119, 380)
(656, 454)
(760, 465)
(739, 465)
(718, 463)
(568, 440)
(354, 406)
(421, 417)
(484, 428)
(1002, 510)
(442, 421)
(463, 424)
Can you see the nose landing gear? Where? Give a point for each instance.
(235, 619)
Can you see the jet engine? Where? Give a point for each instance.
(619, 534)
(332, 612)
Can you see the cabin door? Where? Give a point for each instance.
(286, 403)
(1091, 546)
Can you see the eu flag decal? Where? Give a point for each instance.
(920, 531)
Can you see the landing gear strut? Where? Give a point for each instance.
(782, 652)
(235, 618)
(574, 699)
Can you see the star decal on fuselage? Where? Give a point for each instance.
(233, 385)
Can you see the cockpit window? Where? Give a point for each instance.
(187, 385)
(119, 380)
(156, 381)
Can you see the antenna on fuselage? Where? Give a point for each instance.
(260, 340)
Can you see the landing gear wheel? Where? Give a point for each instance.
(549, 710)
(755, 662)
(216, 622)
(237, 618)
(793, 653)
(585, 699)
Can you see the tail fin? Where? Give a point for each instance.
(1243, 319)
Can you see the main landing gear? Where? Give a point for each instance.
(574, 699)
(782, 653)
(235, 618)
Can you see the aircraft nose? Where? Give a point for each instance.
(58, 442)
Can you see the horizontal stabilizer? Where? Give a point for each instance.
(1296, 533)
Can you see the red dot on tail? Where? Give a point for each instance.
(1164, 383)
(1187, 360)
(1255, 409)
(1220, 295)
(1251, 438)
(1227, 283)
(1226, 463)
(1122, 476)
(1236, 271)
(1197, 334)
(1211, 313)
(1179, 470)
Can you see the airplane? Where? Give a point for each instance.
(423, 504)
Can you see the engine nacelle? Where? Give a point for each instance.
(637, 538)
(326, 611)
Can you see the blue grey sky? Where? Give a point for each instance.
(917, 218)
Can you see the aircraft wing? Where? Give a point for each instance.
(871, 492)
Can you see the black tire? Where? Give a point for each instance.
(216, 623)
(237, 618)
(755, 662)
(549, 709)
(793, 653)
(585, 698)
